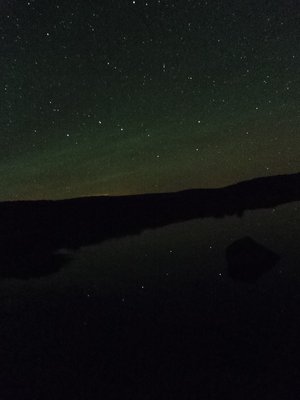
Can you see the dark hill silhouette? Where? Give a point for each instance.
(33, 232)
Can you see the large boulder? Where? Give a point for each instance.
(248, 260)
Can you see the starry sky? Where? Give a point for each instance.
(121, 97)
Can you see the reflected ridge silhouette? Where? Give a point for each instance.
(33, 232)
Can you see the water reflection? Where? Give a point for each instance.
(33, 233)
(155, 316)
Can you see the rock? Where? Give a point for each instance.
(248, 260)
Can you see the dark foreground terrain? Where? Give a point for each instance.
(95, 305)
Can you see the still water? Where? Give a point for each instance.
(156, 316)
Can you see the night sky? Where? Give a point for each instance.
(121, 97)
